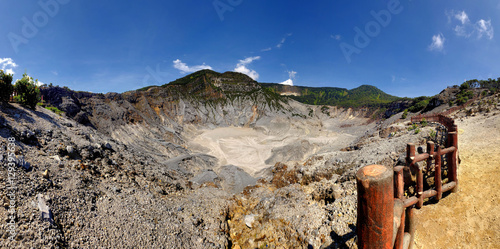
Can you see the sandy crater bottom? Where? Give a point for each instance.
(252, 150)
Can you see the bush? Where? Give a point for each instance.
(55, 110)
(424, 122)
(6, 87)
(325, 110)
(419, 104)
(463, 96)
(432, 135)
(413, 127)
(27, 91)
(464, 86)
(405, 114)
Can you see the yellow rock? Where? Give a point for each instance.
(46, 174)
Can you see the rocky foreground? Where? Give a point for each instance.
(129, 171)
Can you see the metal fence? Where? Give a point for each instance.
(385, 204)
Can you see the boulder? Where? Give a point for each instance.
(235, 179)
(205, 177)
(45, 211)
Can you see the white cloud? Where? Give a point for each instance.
(437, 42)
(462, 17)
(288, 82)
(283, 40)
(281, 43)
(484, 28)
(466, 28)
(7, 65)
(461, 30)
(398, 79)
(184, 68)
(266, 49)
(336, 37)
(291, 75)
(55, 73)
(241, 67)
(9, 71)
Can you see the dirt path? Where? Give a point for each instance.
(471, 217)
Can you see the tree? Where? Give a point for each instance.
(464, 86)
(28, 91)
(6, 87)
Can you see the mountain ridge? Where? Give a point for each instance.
(234, 82)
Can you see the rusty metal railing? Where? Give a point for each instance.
(385, 215)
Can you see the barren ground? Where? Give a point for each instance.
(471, 217)
(253, 150)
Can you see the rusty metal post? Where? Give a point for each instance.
(420, 187)
(452, 161)
(410, 225)
(410, 153)
(430, 151)
(437, 175)
(399, 182)
(375, 206)
(399, 224)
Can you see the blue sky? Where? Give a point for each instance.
(406, 48)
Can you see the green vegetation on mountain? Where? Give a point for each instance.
(6, 87)
(209, 88)
(27, 91)
(492, 85)
(207, 85)
(420, 103)
(466, 93)
(363, 96)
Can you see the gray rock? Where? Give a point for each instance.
(191, 164)
(291, 152)
(45, 212)
(107, 146)
(28, 134)
(204, 177)
(234, 179)
(69, 106)
(70, 149)
(249, 220)
(23, 164)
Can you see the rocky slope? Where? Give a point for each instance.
(208, 161)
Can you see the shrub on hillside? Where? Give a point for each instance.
(465, 86)
(27, 91)
(421, 103)
(423, 122)
(405, 114)
(6, 87)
